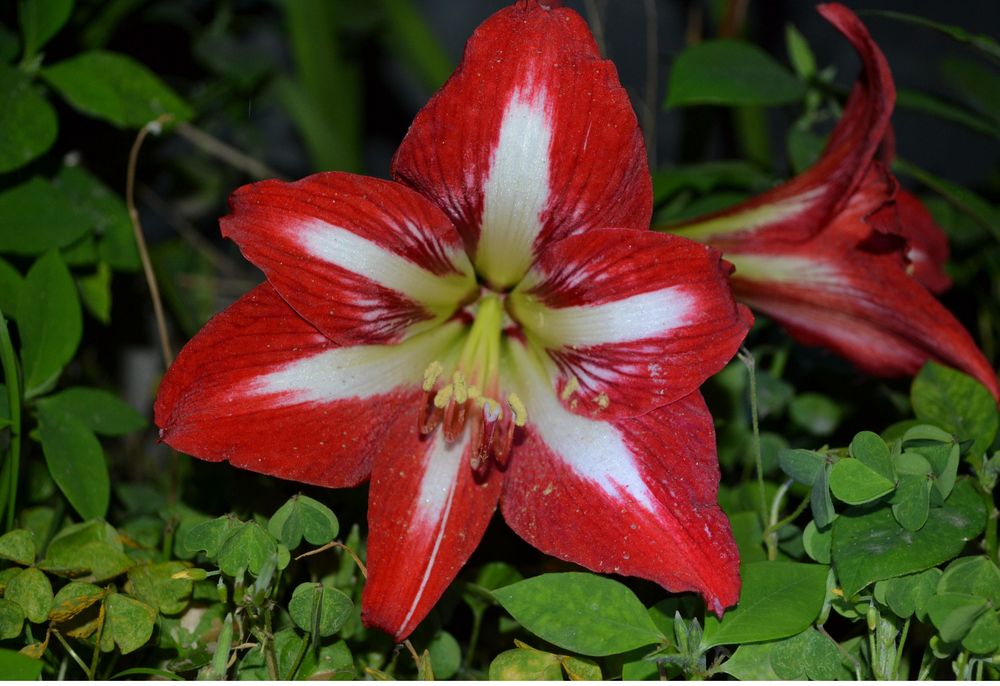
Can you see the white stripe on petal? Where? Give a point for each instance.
(437, 493)
(349, 251)
(753, 218)
(516, 191)
(645, 315)
(360, 371)
(594, 450)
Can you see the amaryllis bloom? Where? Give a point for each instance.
(839, 255)
(497, 325)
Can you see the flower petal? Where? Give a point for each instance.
(633, 320)
(927, 244)
(634, 496)
(862, 306)
(263, 389)
(801, 208)
(426, 515)
(531, 140)
(363, 260)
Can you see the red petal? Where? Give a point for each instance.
(363, 260)
(801, 208)
(638, 319)
(863, 306)
(426, 515)
(263, 389)
(531, 140)
(927, 245)
(639, 500)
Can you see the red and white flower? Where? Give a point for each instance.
(839, 255)
(496, 325)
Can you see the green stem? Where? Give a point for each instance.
(306, 640)
(899, 649)
(477, 621)
(747, 358)
(267, 646)
(69, 649)
(774, 528)
(10, 374)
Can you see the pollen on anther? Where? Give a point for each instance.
(518, 408)
(443, 396)
(570, 388)
(491, 410)
(431, 374)
(461, 389)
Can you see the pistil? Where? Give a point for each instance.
(471, 392)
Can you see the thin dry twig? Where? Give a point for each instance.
(225, 152)
(147, 265)
(337, 544)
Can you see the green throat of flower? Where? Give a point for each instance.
(469, 391)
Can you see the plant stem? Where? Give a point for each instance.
(306, 640)
(267, 645)
(140, 240)
(72, 653)
(225, 152)
(899, 649)
(9, 363)
(746, 357)
(774, 528)
(477, 622)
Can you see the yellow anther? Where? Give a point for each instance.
(443, 396)
(461, 388)
(602, 401)
(518, 408)
(475, 394)
(431, 374)
(569, 389)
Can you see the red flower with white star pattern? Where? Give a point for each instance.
(498, 325)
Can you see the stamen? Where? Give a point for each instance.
(518, 408)
(430, 415)
(431, 374)
(443, 396)
(461, 389)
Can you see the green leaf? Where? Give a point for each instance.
(11, 619)
(407, 34)
(36, 216)
(446, 655)
(303, 517)
(93, 547)
(32, 591)
(981, 42)
(974, 575)
(906, 595)
(522, 664)
(248, 547)
(27, 120)
(209, 536)
(815, 413)
(72, 599)
(974, 82)
(95, 292)
(803, 146)
(50, 323)
(751, 662)
(116, 88)
(809, 654)
(821, 503)
(705, 177)
(76, 462)
(984, 636)
(154, 584)
(911, 501)
(100, 411)
(128, 623)
(817, 543)
(111, 240)
(869, 545)
(955, 402)
(799, 53)
(580, 669)
(853, 482)
(18, 546)
(869, 449)
(803, 466)
(730, 72)
(319, 608)
(585, 613)
(778, 599)
(11, 285)
(748, 536)
(40, 20)
(17, 667)
(954, 614)
(490, 576)
(925, 102)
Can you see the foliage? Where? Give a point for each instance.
(869, 542)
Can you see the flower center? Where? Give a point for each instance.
(470, 391)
